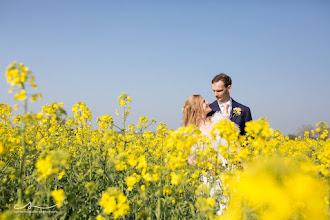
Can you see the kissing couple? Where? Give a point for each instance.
(199, 112)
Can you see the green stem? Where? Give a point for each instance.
(22, 167)
(117, 127)
(124, 127)
(90, 167)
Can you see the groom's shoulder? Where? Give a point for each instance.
(215, 107)
(214, 103)
(237, 104)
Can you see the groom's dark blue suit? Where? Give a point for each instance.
(240, 120)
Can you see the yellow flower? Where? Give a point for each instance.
(167, 190)
(21, 95)
(32, 82)
(132, 160)
(44, 167)
(114, 201)
(130, 181)
(17, 75)
(121, 103)
(142, 162)
(108, 203)
(211, 202)
(175, 179)
(51, 164)
(105, 121)
(61, 174)
(82, 114)
(195, 175)
(58, 196)
(142, 123)
(23, 76)
(100, 217)
(281, 197)
(155, 177)
(12, 176)
(124, 99)
(2, 149)
(120, 165)
(202, 204)
(35, 97)
(259, 128)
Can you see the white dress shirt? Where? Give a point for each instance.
(230, 106)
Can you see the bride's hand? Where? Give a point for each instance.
(191, 160)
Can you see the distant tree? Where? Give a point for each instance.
(303, 128)
(292, 136)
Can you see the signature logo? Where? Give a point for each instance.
(29, 205)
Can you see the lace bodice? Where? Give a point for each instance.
(208, 126)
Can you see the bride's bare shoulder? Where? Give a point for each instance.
(206, 127)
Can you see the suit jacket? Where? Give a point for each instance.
(240, 120)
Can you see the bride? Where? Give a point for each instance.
(195, 113)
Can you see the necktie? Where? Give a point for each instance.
(225, 109)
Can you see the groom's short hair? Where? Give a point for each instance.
(223, 77)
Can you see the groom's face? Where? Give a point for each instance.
(221, 92)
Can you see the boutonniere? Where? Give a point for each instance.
(237, 111)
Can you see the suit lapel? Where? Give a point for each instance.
(233, 105)
(215, 106)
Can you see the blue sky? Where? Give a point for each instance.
(161, 52)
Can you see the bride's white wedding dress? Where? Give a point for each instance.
(213, 182)
(207, 128)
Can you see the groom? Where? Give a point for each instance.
(238, 113)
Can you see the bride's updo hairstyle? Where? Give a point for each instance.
(193, 111)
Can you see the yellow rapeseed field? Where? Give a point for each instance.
(58, 167)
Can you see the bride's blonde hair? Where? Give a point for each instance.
(193, 111)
